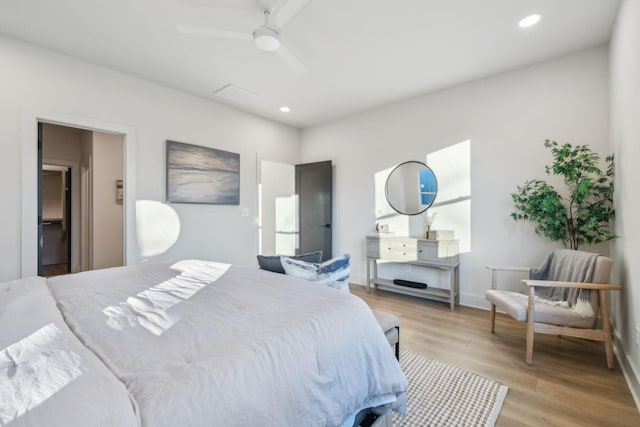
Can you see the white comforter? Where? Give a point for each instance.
(207, 344)
(47, 377)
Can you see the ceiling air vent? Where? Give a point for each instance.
(234, 94)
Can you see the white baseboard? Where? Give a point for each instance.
(631, 375)
(476, 301)
(358, 280)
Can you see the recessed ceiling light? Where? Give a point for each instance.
(285, 109)
(529, 21)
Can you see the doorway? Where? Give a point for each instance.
(80, 205)
(314, 192)
(56, 220)
(295, 208)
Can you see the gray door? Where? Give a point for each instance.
(313, 187)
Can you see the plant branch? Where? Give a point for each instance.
(586, 216)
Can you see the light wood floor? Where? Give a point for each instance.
(54, 270)
(567, 385)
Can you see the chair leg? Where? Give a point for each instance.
(606, 327)
(530, 326)
(529, 344)
(398, 344)
(493, 318)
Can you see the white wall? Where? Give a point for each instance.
(625, 136)
(108, 216)
(61, 143)
(506, 118)
(52, 195)
(37, 80)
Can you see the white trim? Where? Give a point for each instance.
(628, 369)
(475, 301)
(358, 279)
(29, 183)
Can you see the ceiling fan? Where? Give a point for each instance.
(267, 36)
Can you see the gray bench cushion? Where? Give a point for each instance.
(386, 320)
(389, 324)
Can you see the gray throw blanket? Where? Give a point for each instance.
(566, 265)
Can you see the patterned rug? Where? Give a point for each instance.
(443, 395)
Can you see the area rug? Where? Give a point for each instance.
(443, 395)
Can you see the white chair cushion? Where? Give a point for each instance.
(515, 305)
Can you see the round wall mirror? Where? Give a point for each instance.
(411, 188)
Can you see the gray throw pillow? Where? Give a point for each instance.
(272, 263)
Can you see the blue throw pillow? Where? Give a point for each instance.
(334, 272)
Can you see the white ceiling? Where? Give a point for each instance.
(359, 53)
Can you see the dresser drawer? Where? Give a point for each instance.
(397, 248)
(403, 249)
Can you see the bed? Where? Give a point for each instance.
(190, 343)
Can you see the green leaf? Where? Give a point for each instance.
(585, 216)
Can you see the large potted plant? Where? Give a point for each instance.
(583, 215)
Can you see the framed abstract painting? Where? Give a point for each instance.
(198, 174)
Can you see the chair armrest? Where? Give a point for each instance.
(495, 268)
(582, 285)
(507, 268)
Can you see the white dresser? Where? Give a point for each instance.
(429, 254)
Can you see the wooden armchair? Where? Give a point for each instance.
(547, 319)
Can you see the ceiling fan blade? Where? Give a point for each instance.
(290, 9)
(213, 32)
(291, 60)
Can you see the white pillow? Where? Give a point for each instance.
(333, 273)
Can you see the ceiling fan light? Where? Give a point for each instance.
(268, 43)
(266, 38)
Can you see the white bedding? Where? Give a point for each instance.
(47, 377)
(207, 344)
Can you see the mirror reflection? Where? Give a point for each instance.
(411, 188)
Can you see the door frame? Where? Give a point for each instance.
(29, 183)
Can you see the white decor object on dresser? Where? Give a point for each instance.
(427, 254)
